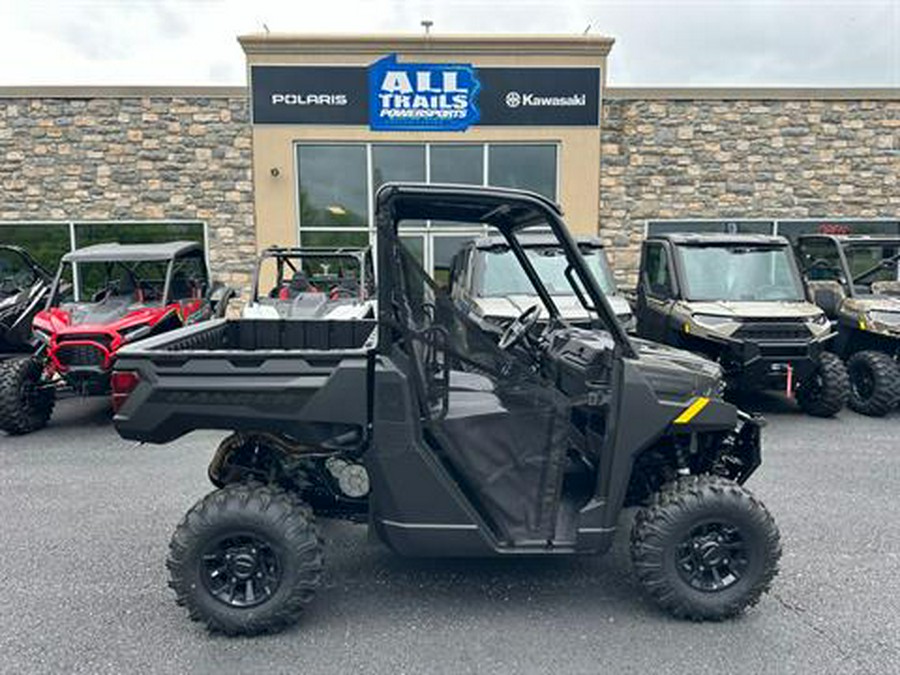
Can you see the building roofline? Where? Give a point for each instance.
(752, 93)
(281, 43)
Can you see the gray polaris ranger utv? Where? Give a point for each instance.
(446, 443)
(486, 280)
(740, 300)
(855, 279)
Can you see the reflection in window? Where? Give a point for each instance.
(457, 164)
(334, 239)
(416, 246)
(397, 163)
(88, 234)
(718, 226)
(333, 186)
(527, 167)
(444, 250)
(45, 243)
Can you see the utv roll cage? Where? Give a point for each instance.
(169, 252)
(506, 209)
(284, 254)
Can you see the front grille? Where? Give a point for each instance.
(772, 332)
(99, 338)
(80, 355)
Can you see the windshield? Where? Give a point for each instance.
(870, 263)
(739, 273)
(286, 277)
(122, 282)
(502, 274)
(15, 273)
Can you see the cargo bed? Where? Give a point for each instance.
(309, 379)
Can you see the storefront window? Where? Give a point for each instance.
(397, 163)
(337, 183)
(722, 226)
(793, 228)
(88, 234)
(457, 164)
(527, 167)
(444, 249)
(332, 239)
(45, 242)
(333, 185)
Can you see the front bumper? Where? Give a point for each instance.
(765, 364)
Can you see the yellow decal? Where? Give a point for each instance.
(687, 327)
(692, 410)
(862, 323)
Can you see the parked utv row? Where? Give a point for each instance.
(742, 301)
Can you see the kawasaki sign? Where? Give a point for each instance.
(390, 95)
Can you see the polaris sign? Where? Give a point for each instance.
(422, 97)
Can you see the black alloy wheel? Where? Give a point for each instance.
(712, 557)
(241, 571)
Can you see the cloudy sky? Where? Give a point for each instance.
(658, 42)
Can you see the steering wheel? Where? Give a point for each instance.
(519, 328)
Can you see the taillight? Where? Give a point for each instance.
(122, 382)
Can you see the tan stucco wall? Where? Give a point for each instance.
(273, 145)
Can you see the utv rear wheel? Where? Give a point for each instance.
(705, 548)
(874, 383)
(246, 559)
(25, 404)
(827, 390)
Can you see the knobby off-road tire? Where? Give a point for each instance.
(24, 405)
(827, 390)
(874, 383)
(246, 559)
(705, 548)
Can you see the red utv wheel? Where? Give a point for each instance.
(25, 402)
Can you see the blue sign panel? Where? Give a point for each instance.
(422, 97)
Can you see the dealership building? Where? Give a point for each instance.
(296, 157)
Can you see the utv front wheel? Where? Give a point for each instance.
(874, 383)
(246, 559)
(827, 390)
(705, 548)
(25, 403)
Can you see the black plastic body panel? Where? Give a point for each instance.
(217, 376)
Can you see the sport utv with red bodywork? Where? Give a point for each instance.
(103, 297)
(447, 443)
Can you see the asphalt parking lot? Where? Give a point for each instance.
(87, 518)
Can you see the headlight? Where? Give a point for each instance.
(819, 320)
(712, 320)
(889, 319)
(133, 333)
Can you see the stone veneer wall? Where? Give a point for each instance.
(133, 158)
(162, 156)
(768, 159)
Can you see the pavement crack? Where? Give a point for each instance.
(800, 612)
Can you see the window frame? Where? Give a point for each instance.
(428, 230)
